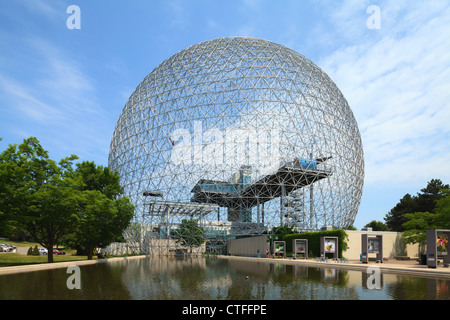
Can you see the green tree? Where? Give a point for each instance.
(442, 220)
(395, 218)
(18, 166)
(35, 195)
(35, 251)
(283, 230)
(53, 202)
(190, 233)
(424, 201)
(99, 178)
(377, 226)
(417, 223)
(103, 213)
(53, 213)
(101, 221)
(427, 197)
(415, 227)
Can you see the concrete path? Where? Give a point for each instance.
(56, 265)
(410, 267)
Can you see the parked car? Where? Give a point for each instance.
(60, 251)
(57, 251)
(4, 247)
(43, 251)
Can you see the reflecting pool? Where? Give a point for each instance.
(216, 278)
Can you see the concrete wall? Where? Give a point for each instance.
(248, 246)
(393, 245)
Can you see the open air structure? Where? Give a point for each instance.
(231, 137)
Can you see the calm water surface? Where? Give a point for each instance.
(217, 279)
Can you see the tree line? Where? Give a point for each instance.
(78, 205)
(414, 214)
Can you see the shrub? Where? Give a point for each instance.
(30, 251)
(35, 251)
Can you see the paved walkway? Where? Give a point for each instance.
(57, 265)
(409, 267)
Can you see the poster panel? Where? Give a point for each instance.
(279, 247)
(330, 245)
(301, 246)
(373, 245)
(442, 244)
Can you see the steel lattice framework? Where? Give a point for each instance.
(231, 137)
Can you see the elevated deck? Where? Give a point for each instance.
(286, 179)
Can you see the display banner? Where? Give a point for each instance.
(330, 246)
(442, 244)
(373, 245)
(279, 247)
(301, 246)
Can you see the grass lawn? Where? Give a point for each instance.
(32, 244)
(14, 259)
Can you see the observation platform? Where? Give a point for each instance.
(288, 178)
(171, 208)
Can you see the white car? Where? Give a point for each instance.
(43, 251)
(6, 247)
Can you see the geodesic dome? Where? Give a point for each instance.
(241, 135)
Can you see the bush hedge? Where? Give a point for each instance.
(35, 251)
(314, 241)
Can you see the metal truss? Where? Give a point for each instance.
(236, 135)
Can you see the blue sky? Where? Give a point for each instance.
(68, 87)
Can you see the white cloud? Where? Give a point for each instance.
(51, 10)
(55, 88)
(178, 14)
(396, 81)
(52, 97)
(26, 101)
